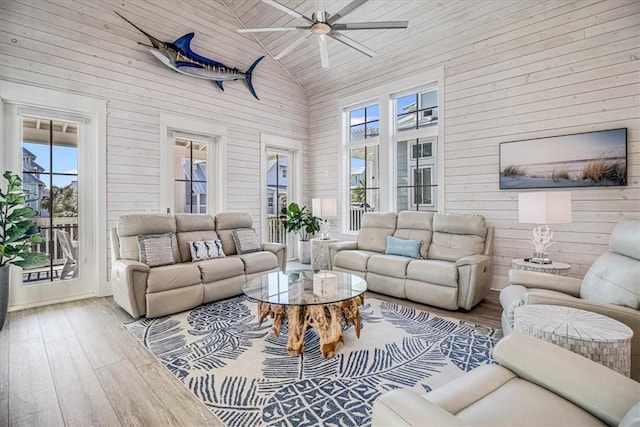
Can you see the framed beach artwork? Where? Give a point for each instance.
(592, 159)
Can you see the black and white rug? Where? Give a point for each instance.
(243, 373)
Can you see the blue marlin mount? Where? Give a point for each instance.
(179, 57)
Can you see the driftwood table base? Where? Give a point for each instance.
(327, 319)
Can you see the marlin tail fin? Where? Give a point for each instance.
(248, 77)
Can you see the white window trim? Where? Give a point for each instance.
(384, 96)
(217, 156)
(94, 157)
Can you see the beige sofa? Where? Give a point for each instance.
(157, 291)
(534, 384)
(610, 287)
(453, 268)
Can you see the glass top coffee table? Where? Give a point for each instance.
(306, 299)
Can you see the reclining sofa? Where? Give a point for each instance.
(451, 268)
(182, 283)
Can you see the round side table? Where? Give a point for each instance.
(320, 253)
(559, 268)
(592, 335)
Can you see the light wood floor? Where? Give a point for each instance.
(74, 364)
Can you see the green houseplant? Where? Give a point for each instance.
(17, 234)
(300, 221)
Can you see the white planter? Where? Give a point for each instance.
(304, 252)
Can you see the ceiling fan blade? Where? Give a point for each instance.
(346, 10)
(319, 10)
(286, 10)
(264, 30)
(324, 53)
(352, 43)
(381, 25)
(292, 46)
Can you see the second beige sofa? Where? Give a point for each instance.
(157, 291)
(452, 269)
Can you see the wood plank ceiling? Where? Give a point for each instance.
(303, 63)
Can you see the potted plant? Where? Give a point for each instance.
(300, 221)
(17, 234)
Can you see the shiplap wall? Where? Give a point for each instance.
(82, 46)
(513, 70)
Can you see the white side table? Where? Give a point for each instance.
(559, 268)
(592, 335)
(320, 253)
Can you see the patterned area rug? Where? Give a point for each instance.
(243, 373)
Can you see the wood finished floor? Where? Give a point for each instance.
(74, 364)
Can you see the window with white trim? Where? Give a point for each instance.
(363, 161)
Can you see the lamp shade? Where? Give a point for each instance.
(324, 208)
(544, 207)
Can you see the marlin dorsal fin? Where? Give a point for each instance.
(184, 42)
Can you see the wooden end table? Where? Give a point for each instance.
(594, 336)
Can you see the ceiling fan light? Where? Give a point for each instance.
(321, 29)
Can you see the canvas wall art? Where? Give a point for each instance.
(577, 160)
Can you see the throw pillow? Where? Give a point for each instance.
(403, 247)
(246, 240)
(156, 249)
(205, 249)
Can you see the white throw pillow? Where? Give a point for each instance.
(205, 249)
(156, 250)
(246, 240)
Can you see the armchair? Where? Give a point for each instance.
(611, 287)
(535, 383)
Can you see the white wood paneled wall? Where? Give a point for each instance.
(82, 46)
(513, 70)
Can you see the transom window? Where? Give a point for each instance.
(417, 110)
(364, 123)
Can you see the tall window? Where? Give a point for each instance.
(191, 176)
(415, 134)
(364, 190)
(50, 179)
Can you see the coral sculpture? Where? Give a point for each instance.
(542, 238)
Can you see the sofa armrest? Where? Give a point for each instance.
(279, 250)
(336, 247)
(129, 285)
(403, 407)
(553, 282)
(474, 280)
(597, 389)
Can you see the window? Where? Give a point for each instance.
(392, 148)
(364, 190)
(190, 176)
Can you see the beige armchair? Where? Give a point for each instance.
(535, 383)
(611, 287)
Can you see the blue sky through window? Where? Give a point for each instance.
(65, 160)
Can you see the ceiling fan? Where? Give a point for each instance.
(323, 24)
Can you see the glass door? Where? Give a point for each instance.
(50, 179)
(278, 194)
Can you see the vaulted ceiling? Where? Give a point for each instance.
(304, 64)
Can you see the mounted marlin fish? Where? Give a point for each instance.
(179, 57)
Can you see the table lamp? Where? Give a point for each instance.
(544, 208)
(323, 209)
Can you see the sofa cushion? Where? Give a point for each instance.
(226, 222)
(205, 249)
(131, 226)
(246, 240)
(156, 249)
(457, 236)
(172, 276)
(183, 238)
(625, 239)
(437, 272)
(389, 265)
(416, 225)
(403, 247)
(353, 260)
(256, 262)
(613, 279)
(193, 227)
(220, 268)
(376, 226)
